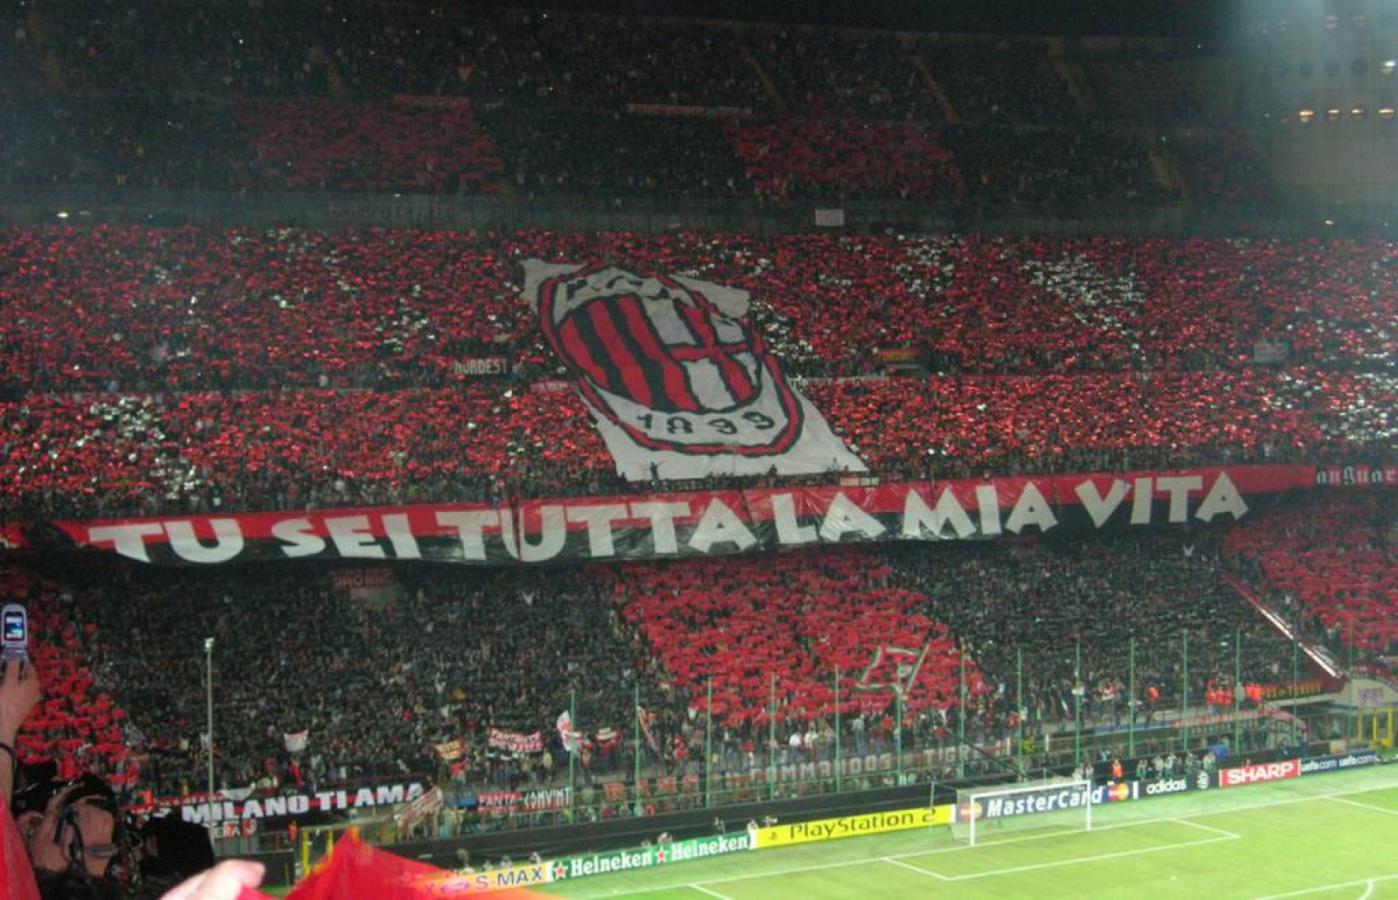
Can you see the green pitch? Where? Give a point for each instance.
(1327, 836)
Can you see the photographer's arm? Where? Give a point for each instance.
(20, 690)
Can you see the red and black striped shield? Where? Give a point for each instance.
(663, 361)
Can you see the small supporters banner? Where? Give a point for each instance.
(202, 809)
(892, 667)
(428, 804)
(296, 741)
(573, 741)
(514, 741)
(1357, 476)
(679, 383)
(451, 751)
(537, 800)
(647, 719)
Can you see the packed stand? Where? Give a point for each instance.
(1222, 168)
(972, 425)
(999, 81)
(624, 60)
(1040, 169)
(121, 117)
(375, 682)
(77, 725)
(217, 370)
(410, 145)
(207, 49)
(826, 72)
(612, 155)
(119, 454)
(786, 624)
(186, 308)
(1335, 558)
(480, 51)
(1039, 601)
(791, 159)
(378, 678)
(1139, 89)
(123, 141)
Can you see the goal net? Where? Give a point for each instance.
(1056, 805)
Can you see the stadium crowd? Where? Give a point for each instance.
(182, 309)
(574, 100)
(447, 655)
(1108, 594)
(844, 158)
(375, 146)
(152, 370)
(237, 369)
(78, 726)
(375, 684)
(102, 455)
(1334, 559)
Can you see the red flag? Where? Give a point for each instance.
(357, 871)
(15, 871)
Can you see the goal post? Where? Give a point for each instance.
(1056, 805)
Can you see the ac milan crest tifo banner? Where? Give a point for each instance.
(678, 382)
(698, 523)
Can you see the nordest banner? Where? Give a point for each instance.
(699, 523)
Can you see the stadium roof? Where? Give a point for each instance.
(1195, 19)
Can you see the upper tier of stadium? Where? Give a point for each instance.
(491, 100)
(238, 369)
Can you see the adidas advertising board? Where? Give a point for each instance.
(678, 382)
(1199, 781)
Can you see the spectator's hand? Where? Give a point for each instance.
(45, 853)
(20, 690)
(229, 880)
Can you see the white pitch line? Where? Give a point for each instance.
(704, 890)
(1368, 889)
(1330, 887)
(1087, 859)
(1223, 831)
(911, 868)
(1369, 806)
(775, 873)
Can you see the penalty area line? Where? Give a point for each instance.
(1223, 831)
(1369, 882)
(703, 890)
(1362, 805)
(912, 868)
(1087, 859)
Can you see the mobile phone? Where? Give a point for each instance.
(14, 633)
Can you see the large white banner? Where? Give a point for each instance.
(678, 383)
